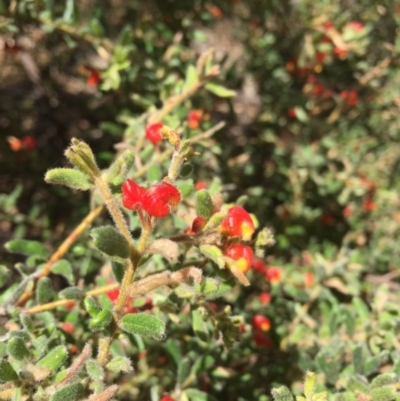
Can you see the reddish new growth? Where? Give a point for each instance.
(153, 133)
(158, 201)
(68, 327)
(260, 322)
(238, 223)
(242, 254)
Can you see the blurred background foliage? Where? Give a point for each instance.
(311, 140)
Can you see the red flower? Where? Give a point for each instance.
(262, 340)
(265, 298)
(356, 25)
(15, 144)
(328, 25)
(291, 113)
(94, 77)
(153, 132)
(238, 223)
(369, 205)
(350, 97)
(68, 327)
(113, 295)
(197, 225)
(194, 118)
(259, 266)
(347, 211)
(273, 275)
(215, 12)
(160, 199)
(132, 195)
(167, 398)
(320, 56)
(340, 52)
(200, 185)
(308, 279)
(29, 142)
(242, 254)
(327, 219)
(260, 322)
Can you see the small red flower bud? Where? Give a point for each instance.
(160, 199)
(320, 56)
(153, 132)
(73, 349)
(340, 52)
(273, 275)
(291, 113)
(194, 118)
(215, 11)
(68, 327)
(242, 254)
(327, 219)
(70, 304)
(262, 340)
(197, 225)
(238, 223)
(259, 266)
(265, 298)
(350, 97)
(132, 195)
(308, 279)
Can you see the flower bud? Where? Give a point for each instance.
(160, 199)
(273, 275)
(238, 223)
(242, 254)
(197, 225)
(153, 133)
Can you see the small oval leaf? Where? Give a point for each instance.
(144, 325)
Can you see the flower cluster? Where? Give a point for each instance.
(158, 201)
(239, 223)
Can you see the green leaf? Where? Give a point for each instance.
(204, 204)
(119, 364)
(219, 90)
(63, 268)
(70, 392)
(101, 320)
(27, 322)
(373, 363)
(183, 370)
(54, 359)
(119, 169)
(17, 349)
(197, 395)
(111, 242)
(91, 306)
(191, 76)
(214, 253)
(186, 170)
(68, 177)
(382, 394)
(144, 325)
(199, 325)
(5, 274)
(185, 187)
(7, 372)
(215, 220)
(309, 385)
(118, 270)
(282, 394)
(44, 292)
(94, 370)
(26, 247)
(71, 293)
